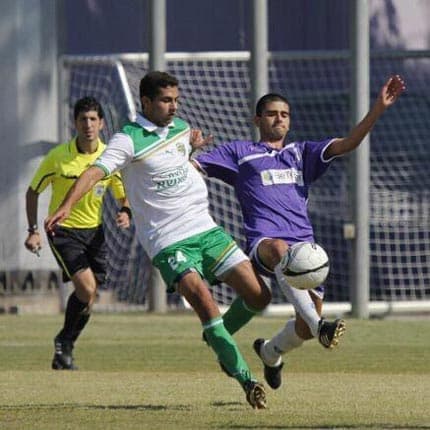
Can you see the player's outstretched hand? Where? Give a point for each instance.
(51, 221)
(197, 140)
(392, 90)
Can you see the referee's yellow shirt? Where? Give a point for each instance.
(60, 168)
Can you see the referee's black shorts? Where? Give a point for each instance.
(77, 249)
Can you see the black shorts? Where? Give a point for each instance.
(77, 249)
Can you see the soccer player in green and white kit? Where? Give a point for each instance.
(169, 202)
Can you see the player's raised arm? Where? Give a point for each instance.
(83, 184)
(389, 93)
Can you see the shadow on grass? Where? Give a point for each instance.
(226, 404)
(144, 407)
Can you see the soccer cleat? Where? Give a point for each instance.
(63, 357)
(255, 394)
(272, 374)
(330, 332)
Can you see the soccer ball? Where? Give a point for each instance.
(305, 265)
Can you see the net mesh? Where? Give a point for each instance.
(215, 94)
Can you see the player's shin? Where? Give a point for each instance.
(74, 310)
(301, 300)
(81, 323)
(284, 341)
(226, 350)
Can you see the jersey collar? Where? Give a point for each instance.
(270, 148)
(153, 128)
(74, 146)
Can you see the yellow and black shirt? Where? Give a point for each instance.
(60, 168)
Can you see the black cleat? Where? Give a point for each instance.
(255, 394)
(272, 374)
(330, 332)
(63, 357)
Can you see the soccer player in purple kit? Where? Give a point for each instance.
(272, 179)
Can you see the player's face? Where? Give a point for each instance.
(274, 122)
(163, 107)
(88, 126)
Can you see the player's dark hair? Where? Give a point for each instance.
(85, 104)
(151, 83)
(268, 98)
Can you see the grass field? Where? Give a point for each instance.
(141, 371)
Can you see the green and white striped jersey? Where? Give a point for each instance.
(168, 196)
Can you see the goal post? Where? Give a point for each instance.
(215, 97)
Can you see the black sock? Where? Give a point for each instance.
(82, 322)
(74, 311)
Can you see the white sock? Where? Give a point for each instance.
(301, 300)
(269, 355)
(285, 340)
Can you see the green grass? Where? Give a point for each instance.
(141, 371)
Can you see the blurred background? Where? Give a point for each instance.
(226, 53)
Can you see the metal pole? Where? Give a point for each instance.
(157, 34)
(259, 54)
(157, 298)
(361, 171)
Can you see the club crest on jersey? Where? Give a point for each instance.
(181, 148)
(99, 190)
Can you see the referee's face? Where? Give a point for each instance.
(162, 109)
(88, 125)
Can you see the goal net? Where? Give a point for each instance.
(215, 97)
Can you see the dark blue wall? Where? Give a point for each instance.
(111, 26)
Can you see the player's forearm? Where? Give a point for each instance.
(360, 131)
(31, 203)
(83, 184)
(357, 134)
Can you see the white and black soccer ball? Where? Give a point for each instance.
(305, 265)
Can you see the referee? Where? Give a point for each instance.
(78, 243)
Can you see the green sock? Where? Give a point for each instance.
(226, 349)
(237, 315)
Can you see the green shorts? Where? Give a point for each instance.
(210, 254)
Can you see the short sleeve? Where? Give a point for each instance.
(314, 164)
(45, 173)
(118, 153)
(220, 163)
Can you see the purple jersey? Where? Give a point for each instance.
(272, 185)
